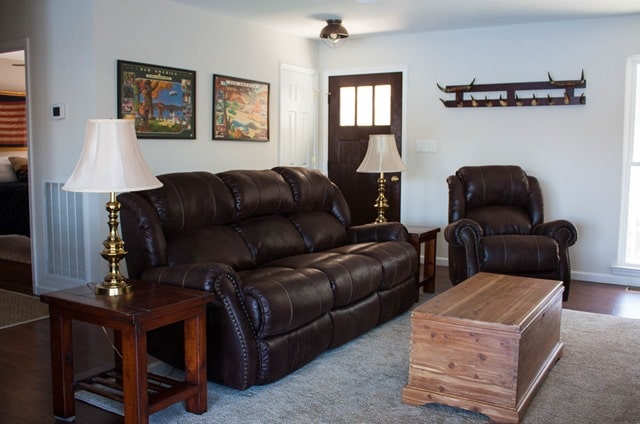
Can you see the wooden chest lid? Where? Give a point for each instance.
(494, 301)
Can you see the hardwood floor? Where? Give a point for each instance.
(25, 363)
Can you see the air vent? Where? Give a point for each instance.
(65, 232)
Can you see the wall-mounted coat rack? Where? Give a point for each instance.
(510, 97)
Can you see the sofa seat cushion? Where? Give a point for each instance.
(398, 259)
(513, 254)
(352, 277)
(281, 299)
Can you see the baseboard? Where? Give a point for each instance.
(592, 277)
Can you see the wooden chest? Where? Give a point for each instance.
(485, 345)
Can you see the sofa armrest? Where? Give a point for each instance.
(562, 231)
(230, 335)
(386, 231)
(201, 276)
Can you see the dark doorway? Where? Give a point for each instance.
(361, 105)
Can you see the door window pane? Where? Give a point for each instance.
(365, 106)
(347, 106)
(382, 105)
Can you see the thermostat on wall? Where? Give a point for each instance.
(58, 111)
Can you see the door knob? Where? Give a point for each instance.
(395, 179)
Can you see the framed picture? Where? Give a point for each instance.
(13, 119)
(161, 100)
(240, 109)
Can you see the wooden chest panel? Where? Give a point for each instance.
(485, 345)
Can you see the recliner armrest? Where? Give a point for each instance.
(561, 230)
(463, 232)
(386, 231)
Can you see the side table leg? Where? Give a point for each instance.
(429, 269)
(61, 365)
(195, 351)
(134, 375)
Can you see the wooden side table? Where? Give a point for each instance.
(426, 236)
(149, 306)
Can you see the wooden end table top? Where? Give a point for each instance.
(148, 304)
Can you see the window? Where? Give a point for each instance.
(629, 250)
(365, 105)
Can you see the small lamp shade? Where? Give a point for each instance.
(382, 155)
(111, 160)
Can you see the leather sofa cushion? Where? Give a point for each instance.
(279, 299)
(333, 234)
(218, 243)
(398, 259)
(513, 254)
(257, 193)
(352, 277)
(269, 238)
(191, 200)
(501, 220)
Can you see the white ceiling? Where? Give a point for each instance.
(360, 17)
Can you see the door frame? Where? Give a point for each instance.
(323, 148)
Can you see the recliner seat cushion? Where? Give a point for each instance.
(512, 254)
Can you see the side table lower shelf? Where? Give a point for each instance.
(162, 390)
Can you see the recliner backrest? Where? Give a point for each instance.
(503, 199)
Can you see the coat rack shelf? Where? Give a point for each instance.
(509, 93)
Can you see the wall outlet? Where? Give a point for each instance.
(430, 146)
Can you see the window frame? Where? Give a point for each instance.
(631, 128)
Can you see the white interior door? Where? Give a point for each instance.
(298, 116)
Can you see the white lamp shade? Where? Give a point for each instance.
(382, 155)
(111, 160)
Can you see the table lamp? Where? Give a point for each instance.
(111, 162)
(382, 156)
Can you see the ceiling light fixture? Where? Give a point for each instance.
(334, 34)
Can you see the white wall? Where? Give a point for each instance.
(72, 58)
(575, 151)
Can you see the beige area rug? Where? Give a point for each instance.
(596, 381)
(18, 308)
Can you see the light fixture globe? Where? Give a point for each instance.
(334, 34)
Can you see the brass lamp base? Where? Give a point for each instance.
(113, 290)
(114, 283)
(381, 204)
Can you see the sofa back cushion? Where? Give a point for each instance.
(257, 193)
(321, 212)
(191, 200)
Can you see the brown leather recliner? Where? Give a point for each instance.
(496, 224)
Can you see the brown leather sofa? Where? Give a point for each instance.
(292, 277)
(496, 224)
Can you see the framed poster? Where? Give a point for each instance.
(161, 100)
(240, 109)
(13, 119)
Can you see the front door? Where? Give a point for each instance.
(361, 105)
